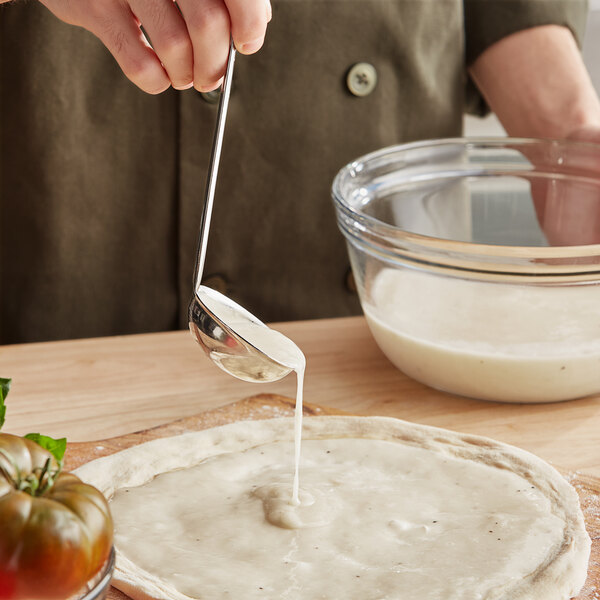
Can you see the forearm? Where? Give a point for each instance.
(536, 83)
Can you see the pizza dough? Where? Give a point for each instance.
(388, 510)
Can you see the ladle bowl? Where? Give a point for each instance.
(219, 338)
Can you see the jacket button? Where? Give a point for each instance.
(216, 282)
(350, 282)
(361, 79)
(211, 97)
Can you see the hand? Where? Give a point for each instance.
(187, 43)
(569, 212)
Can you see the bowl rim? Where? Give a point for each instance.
(363, 226)
(102, 579)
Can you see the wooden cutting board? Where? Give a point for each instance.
(266, 406)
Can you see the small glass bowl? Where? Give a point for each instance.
(477, 263)
(97, 588)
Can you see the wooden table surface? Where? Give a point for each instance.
(99, 388)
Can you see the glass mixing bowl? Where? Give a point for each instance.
(99, 586)
(477, 263)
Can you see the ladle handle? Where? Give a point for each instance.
(213, 168)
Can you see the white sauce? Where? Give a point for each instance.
(284, 351)
(489, 341)
(272, 343)
(377, 519)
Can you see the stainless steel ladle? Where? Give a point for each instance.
(216, 322)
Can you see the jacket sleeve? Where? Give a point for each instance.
(488, 21)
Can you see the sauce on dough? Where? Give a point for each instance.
(494, 342)
(376, 520)
(373, 520)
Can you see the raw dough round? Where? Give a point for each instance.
(389, 510)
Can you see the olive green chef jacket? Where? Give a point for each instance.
(101, 185)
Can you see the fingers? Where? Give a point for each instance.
(119, 31)
(190, 38)
(249, 20)
(210, 23)
(169, 37)
(208, 26)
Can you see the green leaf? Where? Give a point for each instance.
(56, 447)
(4, 389)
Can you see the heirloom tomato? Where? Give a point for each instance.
(55, 531)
